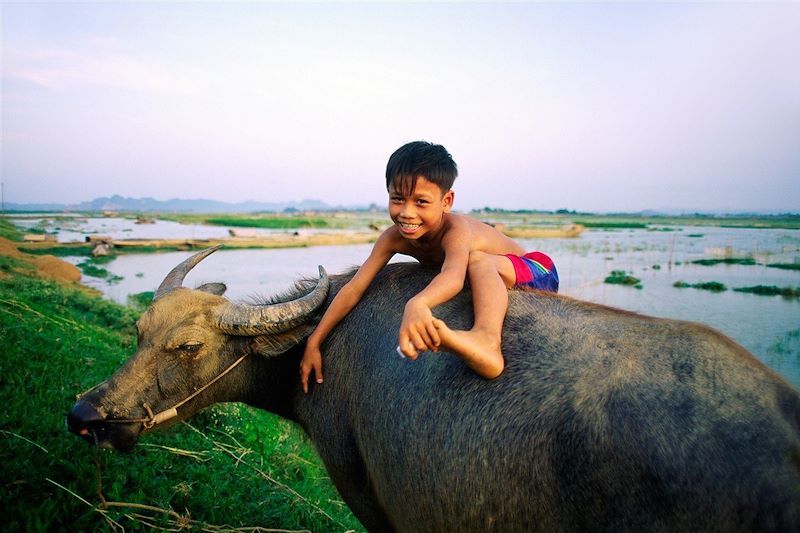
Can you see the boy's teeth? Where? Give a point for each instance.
(409, 226)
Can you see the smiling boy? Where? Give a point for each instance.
(419, 177)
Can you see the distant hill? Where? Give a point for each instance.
(200, 205)
(174, 205)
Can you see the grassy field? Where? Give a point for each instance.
(317, 220)
(626, 220)
(231, 467)
(273, 222)
(361, 219)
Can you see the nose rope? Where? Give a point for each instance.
(162, 416)
(87, 391)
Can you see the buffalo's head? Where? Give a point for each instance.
(189, 343)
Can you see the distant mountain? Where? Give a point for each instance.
(174, 205)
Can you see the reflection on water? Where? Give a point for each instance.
(769, 326)
(75, 229)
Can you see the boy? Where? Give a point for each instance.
(419, 176)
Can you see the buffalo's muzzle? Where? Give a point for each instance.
(85, 421)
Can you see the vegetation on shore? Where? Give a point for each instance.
(763, 290)
(93, 267)
(270, 222)
(725, 261)
(286, 220)
(620, 277)
(231, 466)
(343, 219)
(785, 266)
(634, 220)
(771, 290)
(713, 286)
(746, 261)
(610, 224)
(9, 231)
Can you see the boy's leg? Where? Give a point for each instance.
(490, 276)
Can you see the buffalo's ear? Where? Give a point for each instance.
(276, 344)
(214, 288)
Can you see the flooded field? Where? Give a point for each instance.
(658, 257)
(75, 229)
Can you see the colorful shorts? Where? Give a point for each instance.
(536, 271)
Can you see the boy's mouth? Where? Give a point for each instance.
(408, 228)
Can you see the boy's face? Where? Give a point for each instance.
(421, 211)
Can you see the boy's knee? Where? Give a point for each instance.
(481, 263)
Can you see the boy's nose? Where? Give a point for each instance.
(407, 211)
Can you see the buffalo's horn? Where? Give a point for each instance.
(243, 319)
(175, 277)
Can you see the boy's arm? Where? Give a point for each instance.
(347, 298)
(417, 332)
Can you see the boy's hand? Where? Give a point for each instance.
(312, 360)
(417, 332)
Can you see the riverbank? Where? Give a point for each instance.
(174, 232)
(520, 218)
(288, 240)
(58, 340)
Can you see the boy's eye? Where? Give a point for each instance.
(396, 199)
(422, 202)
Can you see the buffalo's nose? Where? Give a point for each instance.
(82, 415)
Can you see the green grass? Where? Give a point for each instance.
(785, 266)
(77, 251)
(239, 467)
(771, 290)
(91, 267)
(786, 221)
(269, 222)
(713, 286)
(140, 300)
(620, 277)
(9, 231)
(60, 251)
(789, 343)
(610, 224)
(725, 261)
(9, 266)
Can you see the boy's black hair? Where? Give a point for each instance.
(420, 158)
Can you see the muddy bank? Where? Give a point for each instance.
(159, 245)
(44, 266)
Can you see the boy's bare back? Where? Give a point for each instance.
(456, 230)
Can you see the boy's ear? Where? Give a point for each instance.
(447, 200)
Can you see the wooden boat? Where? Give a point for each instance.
(39, 237)
(567, 231)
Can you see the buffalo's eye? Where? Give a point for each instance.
(190, 348)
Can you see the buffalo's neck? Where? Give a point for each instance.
(271, 383)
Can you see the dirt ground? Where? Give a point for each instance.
(47, 266)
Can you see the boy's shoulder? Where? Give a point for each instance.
(482, 236)
(391, 241)
(459, 227)
(462, 223)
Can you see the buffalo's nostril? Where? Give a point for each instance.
(81, 416)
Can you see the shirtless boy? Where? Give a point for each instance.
(419, 177)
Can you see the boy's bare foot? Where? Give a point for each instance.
(481, 351)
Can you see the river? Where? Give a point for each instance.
(768, 326)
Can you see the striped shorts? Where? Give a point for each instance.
(535, 270)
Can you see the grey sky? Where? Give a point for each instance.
(584, 106)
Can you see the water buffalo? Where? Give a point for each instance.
(603, 419)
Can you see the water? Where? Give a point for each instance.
(768, 326)
(75, 229)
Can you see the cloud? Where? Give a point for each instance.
(66, 69)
